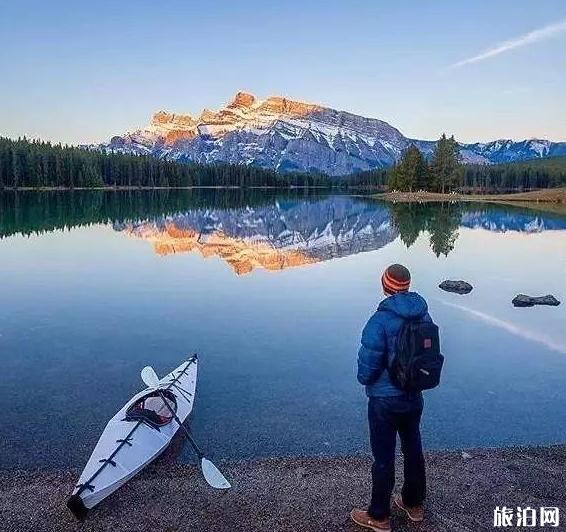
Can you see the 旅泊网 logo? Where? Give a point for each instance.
(526, 517)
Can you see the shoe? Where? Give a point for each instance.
(414, 513)
(362, 518)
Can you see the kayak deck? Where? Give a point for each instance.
(127, 444)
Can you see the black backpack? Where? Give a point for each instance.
(417, 362)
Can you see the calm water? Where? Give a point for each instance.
(272, 292)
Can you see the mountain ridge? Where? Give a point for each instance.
(291, 135)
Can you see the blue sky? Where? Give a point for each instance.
(84, 71)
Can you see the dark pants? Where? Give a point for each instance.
(387, 417)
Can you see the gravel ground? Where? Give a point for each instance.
(294, 494)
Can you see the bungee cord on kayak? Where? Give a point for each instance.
(153, 411)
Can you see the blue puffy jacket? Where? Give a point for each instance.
(379, 339)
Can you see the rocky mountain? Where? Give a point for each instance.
(288, 135)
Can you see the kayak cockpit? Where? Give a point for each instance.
(135, 436)
(152, 408)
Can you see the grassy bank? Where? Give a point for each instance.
(549, 195)
(294, 494)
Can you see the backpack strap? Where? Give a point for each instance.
(404, 324)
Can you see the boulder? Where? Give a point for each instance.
(529, 301)
(458, 287)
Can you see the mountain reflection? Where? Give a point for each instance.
(283, 234)
(290, 233)
(250, 229)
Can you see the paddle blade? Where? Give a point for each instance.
(149, 377)
(213, 476)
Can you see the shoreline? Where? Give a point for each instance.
(547, 195)
(195, 187)
(550, 199)
(293, 494)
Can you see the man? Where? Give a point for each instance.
(392, 410)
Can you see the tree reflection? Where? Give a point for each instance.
(36, 212)
(268, 215)
(440, 220)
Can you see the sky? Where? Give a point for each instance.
(81, 72)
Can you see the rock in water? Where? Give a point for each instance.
(529, 301)
(458, 287)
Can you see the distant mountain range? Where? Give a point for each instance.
(288, 135)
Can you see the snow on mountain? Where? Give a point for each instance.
(289, 135)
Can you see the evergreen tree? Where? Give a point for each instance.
(25, 163)
(41, 164)
(411, 172)
(445, 165)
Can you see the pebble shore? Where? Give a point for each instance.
(292, 494)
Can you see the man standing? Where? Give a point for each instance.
(395, 405)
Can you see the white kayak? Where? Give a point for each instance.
(135, 436)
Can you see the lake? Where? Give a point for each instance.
(272, 291)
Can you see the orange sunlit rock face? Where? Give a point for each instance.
(244, 110)
(173, 136)
(243, 256)
(172, 127)
(277, 104)
(242, 99)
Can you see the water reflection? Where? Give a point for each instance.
(291, 233)
(259, 229)
(84, 309)
(283, 234)
(441, 221)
